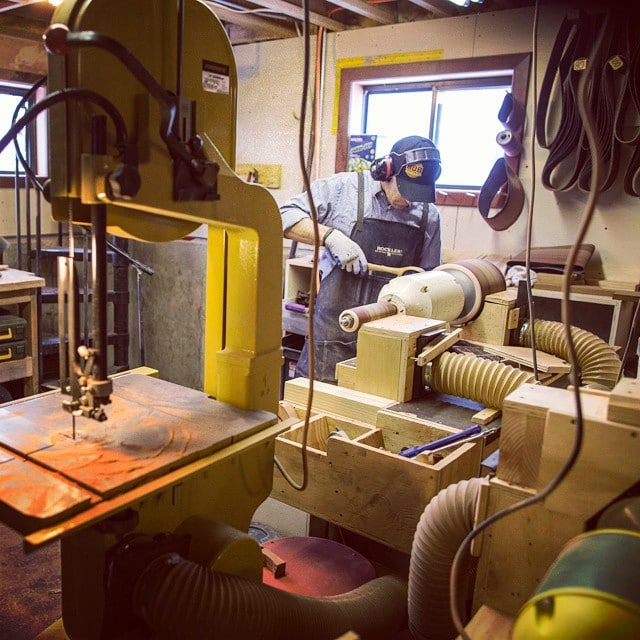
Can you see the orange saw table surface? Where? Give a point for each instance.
(153, 427)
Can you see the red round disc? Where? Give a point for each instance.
(317, 567)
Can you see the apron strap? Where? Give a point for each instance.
(360, 221)
(423, 231)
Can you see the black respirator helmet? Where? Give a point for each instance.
(415, 162)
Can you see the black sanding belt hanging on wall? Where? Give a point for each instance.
(610, 99)
(567, 148)
(501, 176)
(628, 109)
(606, 83)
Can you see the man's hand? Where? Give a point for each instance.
(346, 252)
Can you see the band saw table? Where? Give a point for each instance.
(159, 437)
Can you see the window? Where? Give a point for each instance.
(9, 99)
(441, 112)
(455, 103)
(30, 139)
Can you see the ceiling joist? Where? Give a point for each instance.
(259, 20)
(374, 12)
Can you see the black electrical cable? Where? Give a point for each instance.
(314, 270)
(632, 331)
(23, 101)
(532, 198)
(64, 95)
(591, 133)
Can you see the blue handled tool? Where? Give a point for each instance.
(412, 452)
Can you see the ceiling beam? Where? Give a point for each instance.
(252, 21)
(16, 4)
(436, 10)
(298, 13)
(374, 12)
(13, 25)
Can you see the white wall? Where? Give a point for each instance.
(8, 216)
(270, 82)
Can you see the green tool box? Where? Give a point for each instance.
(14, 350)
(12, 328)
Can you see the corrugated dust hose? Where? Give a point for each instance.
(598, 362)
(180, 600)
(444, 524)
(491, 382)
(478, 379)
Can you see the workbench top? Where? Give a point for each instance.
(15, 280)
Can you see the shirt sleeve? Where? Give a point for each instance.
(430, 257)
(325, 192)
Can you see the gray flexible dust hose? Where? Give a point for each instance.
(179, 599)
(598, 362)
(444, 524)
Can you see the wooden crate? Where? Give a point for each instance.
(524, 415)
(361, 483)
(516, 551)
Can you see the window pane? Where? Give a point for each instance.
(394, 115)
(8, 104)
(466, 128)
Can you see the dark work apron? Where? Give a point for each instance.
(392, 244)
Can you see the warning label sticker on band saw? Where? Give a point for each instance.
(215, 77)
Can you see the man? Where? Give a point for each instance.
(384, 216)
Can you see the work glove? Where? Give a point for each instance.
(345, 252)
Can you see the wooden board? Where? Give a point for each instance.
(437, 346)
(329, 398)
(489, 624)
(321, 427)
(506, 297)
(16, 369)
(607, 466)
(546, 362)
(346, 373)
(516, 551)
(406, 426)
(524, 413)
(624, 402)
(495, 321)
(15, 280)
(386, 355)
(486, 416)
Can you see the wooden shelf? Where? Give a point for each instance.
(16, 369)
(18, 293)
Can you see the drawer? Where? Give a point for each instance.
(12, 328)
(15, 350)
